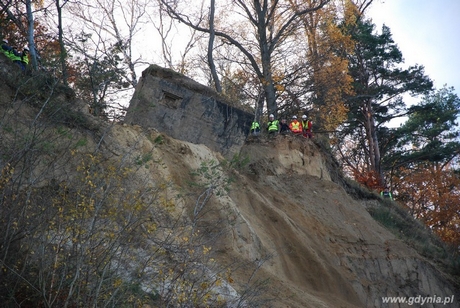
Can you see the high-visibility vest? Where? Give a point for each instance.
(255, 126)
(306, 125)
(273, 126)
(386, 194)
(14, 56)
(25, 58)
(9, 52)
(295, 126)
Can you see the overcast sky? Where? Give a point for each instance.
(427, 33)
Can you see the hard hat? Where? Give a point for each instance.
(26, 48)
(5, 41)
(294, 117)
(304, 117)
(271, 116)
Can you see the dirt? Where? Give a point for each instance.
(313, 244)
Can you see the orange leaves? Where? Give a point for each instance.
(432, 195)
(369, 179)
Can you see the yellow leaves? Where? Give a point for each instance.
(228, 276)
(117, 282)
(111, 235)
(167, 203)
(278, 78)
(92, 218)
(7, 173)
(206, 250)
(89, 182)
(150, 228)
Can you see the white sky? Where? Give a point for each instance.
(427, 33)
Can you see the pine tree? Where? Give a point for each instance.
(378, 83)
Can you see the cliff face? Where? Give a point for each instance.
(317, 246)
(296, 230)
(314, 244)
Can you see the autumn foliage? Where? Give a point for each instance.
(433, 196)
(369, 179)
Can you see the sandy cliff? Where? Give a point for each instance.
(316, 245)
(295, 228)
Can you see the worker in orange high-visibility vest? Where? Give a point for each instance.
(295, 126)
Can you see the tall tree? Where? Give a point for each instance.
(101, 41)
(98, 78)
(174, 51)
(271, 23)
(329, 82)
(425, 160)
(431, 131)
(378, 83)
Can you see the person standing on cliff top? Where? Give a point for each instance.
(295, 126)
(6, 49)
(306, 127)
(255, 128)
(273, 126)
(284, 127)
(386, 194)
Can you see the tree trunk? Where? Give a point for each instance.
(377, 166)
(63, 53)
(265, 54)
(371, 135)
(212, 67)
(30, 35)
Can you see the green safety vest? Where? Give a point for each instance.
(255, 126)
(25, 59)
(386, 195)
(5, 52)
(14, 57)
(306, 125)
(9, 53)
(273, 126)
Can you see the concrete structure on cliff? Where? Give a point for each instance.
(186, 110)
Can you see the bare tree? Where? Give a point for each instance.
(268, 25)
(176, 46)
(117, 22)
